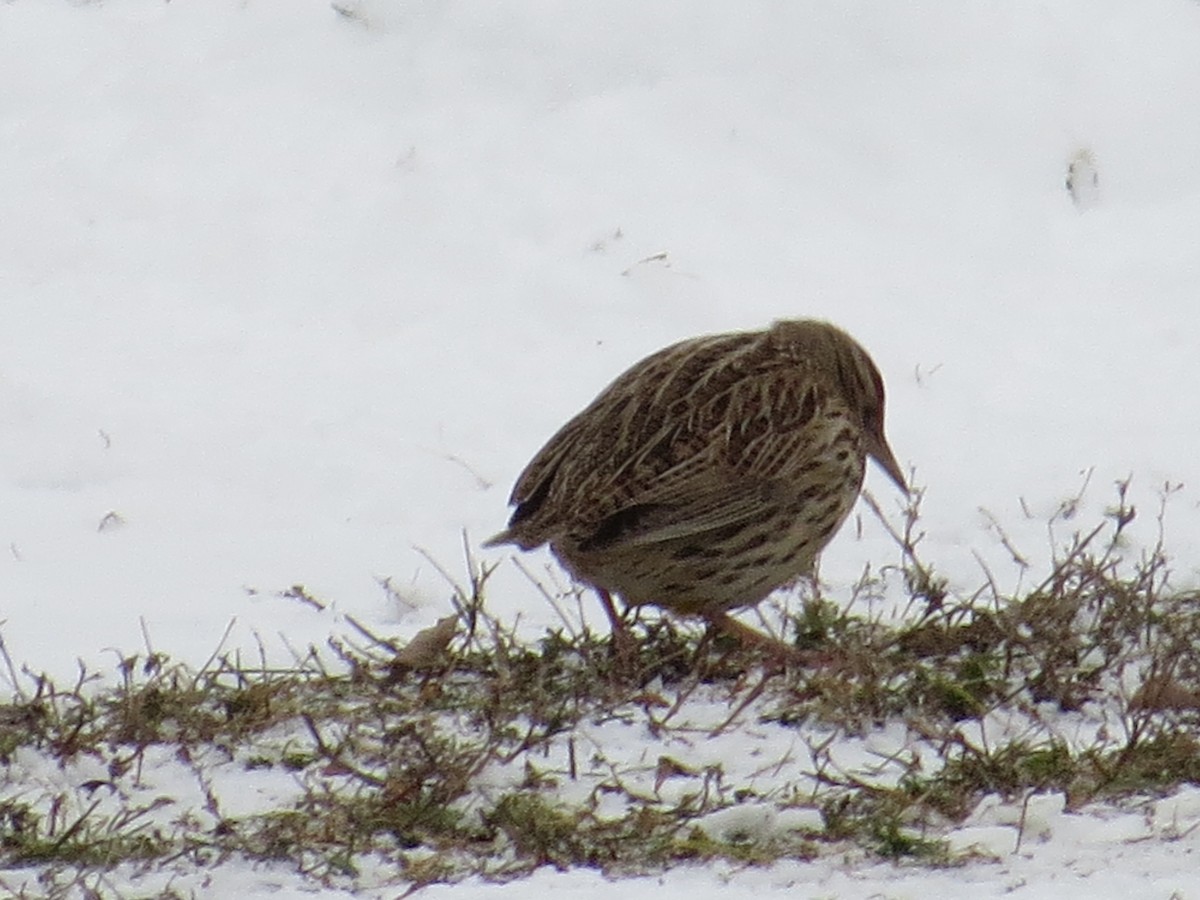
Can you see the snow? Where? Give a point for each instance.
(289, 297)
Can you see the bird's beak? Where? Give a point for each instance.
(878, 450)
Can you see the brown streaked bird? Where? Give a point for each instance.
(710, 473)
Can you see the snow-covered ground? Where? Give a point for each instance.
(290, 295)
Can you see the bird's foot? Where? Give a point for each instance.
(776, 652)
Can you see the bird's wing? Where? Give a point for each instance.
(587, 455)
(640, 525)
(724, 470)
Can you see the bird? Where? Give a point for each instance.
(710, 473)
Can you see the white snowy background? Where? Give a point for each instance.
(289, 296)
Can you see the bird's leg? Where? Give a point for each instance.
(623, 640)
(610, 610)
(779, 651)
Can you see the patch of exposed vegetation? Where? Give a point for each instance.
(467, 752)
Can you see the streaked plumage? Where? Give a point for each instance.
(712, 472)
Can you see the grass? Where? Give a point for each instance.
(467, 752)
